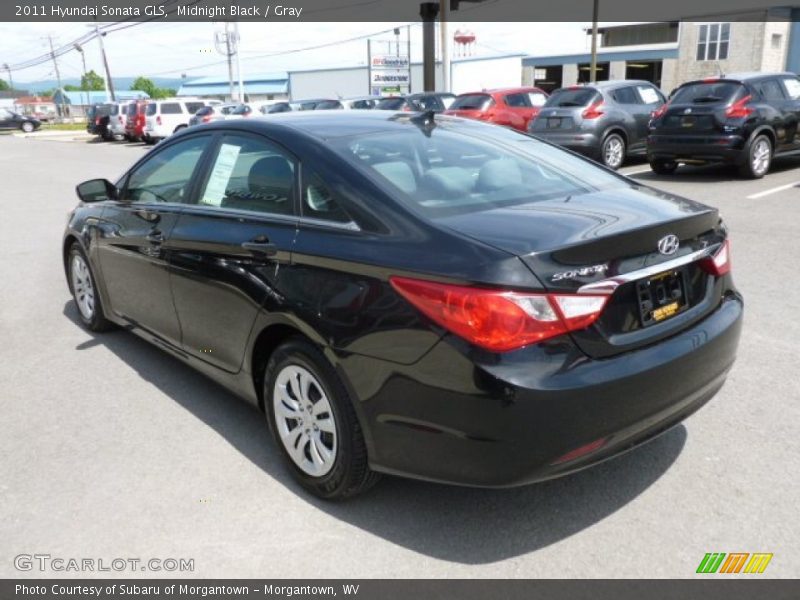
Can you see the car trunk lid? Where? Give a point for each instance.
(611, 235)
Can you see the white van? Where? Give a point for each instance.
(165, 117)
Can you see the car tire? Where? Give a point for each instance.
(83, 287)
(663, 167)
(317, 431)
(759, 158)
(613, 151)
(27, 127)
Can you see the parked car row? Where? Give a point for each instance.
(743, 119)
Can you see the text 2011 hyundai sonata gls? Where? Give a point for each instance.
(417, 295)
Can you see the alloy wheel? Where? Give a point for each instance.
(27, 127)
(612, 152)
(761, 156)
(82, 287)
(305, 420)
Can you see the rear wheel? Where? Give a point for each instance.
(612, 152)
(84, 291)
(759, 158)
(663, 167)
(27, 126)
(313, 422)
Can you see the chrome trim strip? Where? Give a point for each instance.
(607, 286)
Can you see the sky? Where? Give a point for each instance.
(172, 49)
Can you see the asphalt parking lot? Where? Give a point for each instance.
(112, 449)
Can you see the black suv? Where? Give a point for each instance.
(608, 120)
(98, 118)
(744, 119)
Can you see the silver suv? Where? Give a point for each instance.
(607, 120)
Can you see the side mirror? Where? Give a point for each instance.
(97, 190)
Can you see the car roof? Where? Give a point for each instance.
(749, 75)
(324, 125)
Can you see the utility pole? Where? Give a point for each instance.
(443, 10)
(236, 48)
(408, 41)
(58, 75)
(593, 67)
(84, 81)
(428, 12)
(109, 82)
(10, 78)
(221, 38)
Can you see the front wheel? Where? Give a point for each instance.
(759, 158)
(27, 127)
(612, 152)
(313, 422)
(84, 291)
(663, 167)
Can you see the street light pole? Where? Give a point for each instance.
(84, 81)
(428, 12)
(109, 82)
(443, 9)
(237, 48)
(58, 76)
(10, 78)
(593, 67)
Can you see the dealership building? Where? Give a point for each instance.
(670, 53)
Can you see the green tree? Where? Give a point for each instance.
(4, 86)
(143, 84)
(72, 88)
(92, 82)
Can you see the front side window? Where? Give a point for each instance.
(713, 40)
(166, 176)
(170, 108)
(250, 173)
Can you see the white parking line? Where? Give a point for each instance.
(774, 190)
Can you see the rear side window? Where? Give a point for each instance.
(625, 95)
(566, 97)
(193, 107)
(707, 92)
(318, 200)
(250, 174)
(792, 85)
(770, 90)
(170, 108)
(472, 102)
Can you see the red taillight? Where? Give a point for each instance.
(720, 263)
(158, 120)
(579, 452)
(498, 320)
(659, 112)
(593, 112)
(97, 120)
(738, 110)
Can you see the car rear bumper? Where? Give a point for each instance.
(712, 148)
(537, 413)
(577, 141)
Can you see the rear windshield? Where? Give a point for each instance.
(391, 104)
(472, 102)
(707, 92)
(193, 107)
(450, 169)
(206, 110)
(130, 110)
(114, 110)
(151, 109)
(566, 97)
(242, 109)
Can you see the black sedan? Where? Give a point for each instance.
(413, 294)
(13, 120)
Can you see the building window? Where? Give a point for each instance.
(777, 41)
(713, 41)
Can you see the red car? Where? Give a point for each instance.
(135, 119)
(512, 107)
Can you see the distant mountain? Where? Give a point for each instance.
(120, 83)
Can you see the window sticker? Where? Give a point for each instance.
(793, 87)
(648, 94)
(220, 175)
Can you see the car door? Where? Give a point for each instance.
(132, 241)
(791, 110)
(7, 120)
(774, 109)
(229, 247)
(519, 110)
(635, 115)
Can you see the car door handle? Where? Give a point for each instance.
(155, 237)
(261, 248)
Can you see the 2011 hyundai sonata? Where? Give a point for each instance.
(413, 294)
